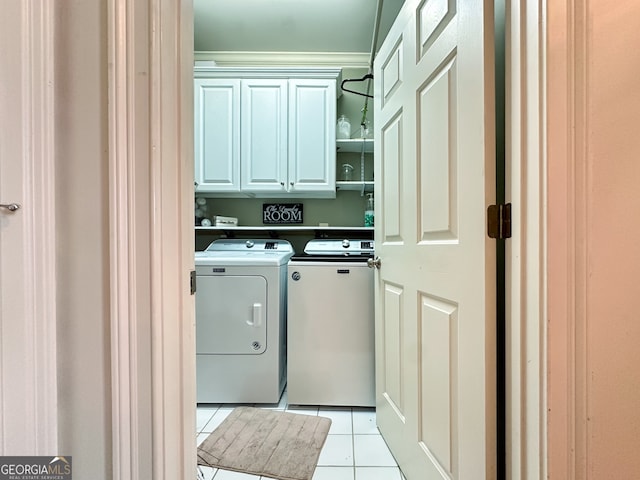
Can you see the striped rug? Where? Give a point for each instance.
(271, 443)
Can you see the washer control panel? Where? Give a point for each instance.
(257, 245)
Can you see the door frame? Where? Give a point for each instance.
(171, 69)
(150, 176)
(526, 276)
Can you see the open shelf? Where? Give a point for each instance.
(354, 145)
(355, 185)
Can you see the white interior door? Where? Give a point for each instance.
(28, 381)
(435, 289)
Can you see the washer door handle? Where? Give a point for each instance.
(256, 321)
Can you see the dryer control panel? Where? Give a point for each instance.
(339, 247)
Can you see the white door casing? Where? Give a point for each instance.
(28, 379)
(178, 423)
(435, 290)
(150, 88)
(526, 329)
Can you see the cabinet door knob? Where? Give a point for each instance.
(291, 184)
(282, 184)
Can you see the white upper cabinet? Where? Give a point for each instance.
(217, 135)
(263, 128)
(278, 137)
(312, 135)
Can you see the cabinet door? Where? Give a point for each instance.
(217, 135)
(312, 135)
(264, 135)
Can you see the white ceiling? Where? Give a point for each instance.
(290, 25)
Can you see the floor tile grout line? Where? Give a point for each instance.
(353, 444)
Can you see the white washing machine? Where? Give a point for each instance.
(331, 325)
(241, 321)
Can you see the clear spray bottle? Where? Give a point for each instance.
(369, 213)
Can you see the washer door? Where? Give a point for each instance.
(231, 315)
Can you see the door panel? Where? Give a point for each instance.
(437, 154)
(391, 179)
(392, 72)
(392, 384)
(435, 290)
(437, 353)
(433, 18)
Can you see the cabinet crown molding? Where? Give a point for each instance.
(284, 59)
(210, 71)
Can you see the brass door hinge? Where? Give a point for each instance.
(499, 221)
(192, 280)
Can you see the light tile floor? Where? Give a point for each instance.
(354, 449)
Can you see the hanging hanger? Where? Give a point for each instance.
(368, 76)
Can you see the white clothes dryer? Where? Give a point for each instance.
(241, 321)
